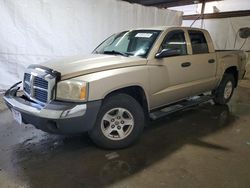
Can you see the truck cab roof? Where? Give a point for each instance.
(163, 28)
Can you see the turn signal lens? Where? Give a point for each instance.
(83, 93)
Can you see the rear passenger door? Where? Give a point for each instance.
(203, 60)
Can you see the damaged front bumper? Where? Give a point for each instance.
(56, 116)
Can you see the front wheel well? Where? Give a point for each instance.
(233, 70)
(136, 92)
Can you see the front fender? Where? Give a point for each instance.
(105, 82)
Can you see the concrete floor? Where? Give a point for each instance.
(205, 146)
(2, 106)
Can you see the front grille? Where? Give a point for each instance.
(26, 84)
(27, 77)
(39, 82)
(26, 88)
(37, 88)
(41, 95)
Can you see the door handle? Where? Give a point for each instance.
(186, 64)
(211, 61)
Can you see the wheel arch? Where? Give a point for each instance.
(234, 71)
(135, 91)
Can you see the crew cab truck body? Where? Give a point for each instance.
(111, 92)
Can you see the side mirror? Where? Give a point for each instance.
(244, 32)
(168, 53)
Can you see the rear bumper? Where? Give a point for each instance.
(55, 117)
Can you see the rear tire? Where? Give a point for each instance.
(225, 90)
(119, 124)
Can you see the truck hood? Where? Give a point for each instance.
(81, 65)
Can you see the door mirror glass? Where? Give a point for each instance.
(168, 53)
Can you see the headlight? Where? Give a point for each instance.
(72, 90)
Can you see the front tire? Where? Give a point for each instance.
(225, 90)
(119, 124)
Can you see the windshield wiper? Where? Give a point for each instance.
(116, 52)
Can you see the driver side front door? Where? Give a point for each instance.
(170, 76)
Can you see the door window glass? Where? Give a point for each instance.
(198, 42)
(175, 40)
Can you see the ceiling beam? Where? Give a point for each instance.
(218, 15)
(177, 3)
(167, 3)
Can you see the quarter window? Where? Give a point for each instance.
(198, 42)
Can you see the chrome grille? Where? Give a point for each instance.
(26, 88)
(26, 84)
(39, 82)
(38, 85)
(27, 77)
(40, 95)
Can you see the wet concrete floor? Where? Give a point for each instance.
(206, 146)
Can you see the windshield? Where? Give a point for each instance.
(129, 43)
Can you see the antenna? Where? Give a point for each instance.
(195, 20)
(201, 14)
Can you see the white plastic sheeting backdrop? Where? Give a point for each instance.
(39, 30)
(223, 31)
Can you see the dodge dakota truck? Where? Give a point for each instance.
(125, 81)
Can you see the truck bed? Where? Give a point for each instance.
(232, 56)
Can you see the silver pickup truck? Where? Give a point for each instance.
(130, 76)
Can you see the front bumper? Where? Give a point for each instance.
(54, 117)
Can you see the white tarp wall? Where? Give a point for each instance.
(223, 31)
(38, 30)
